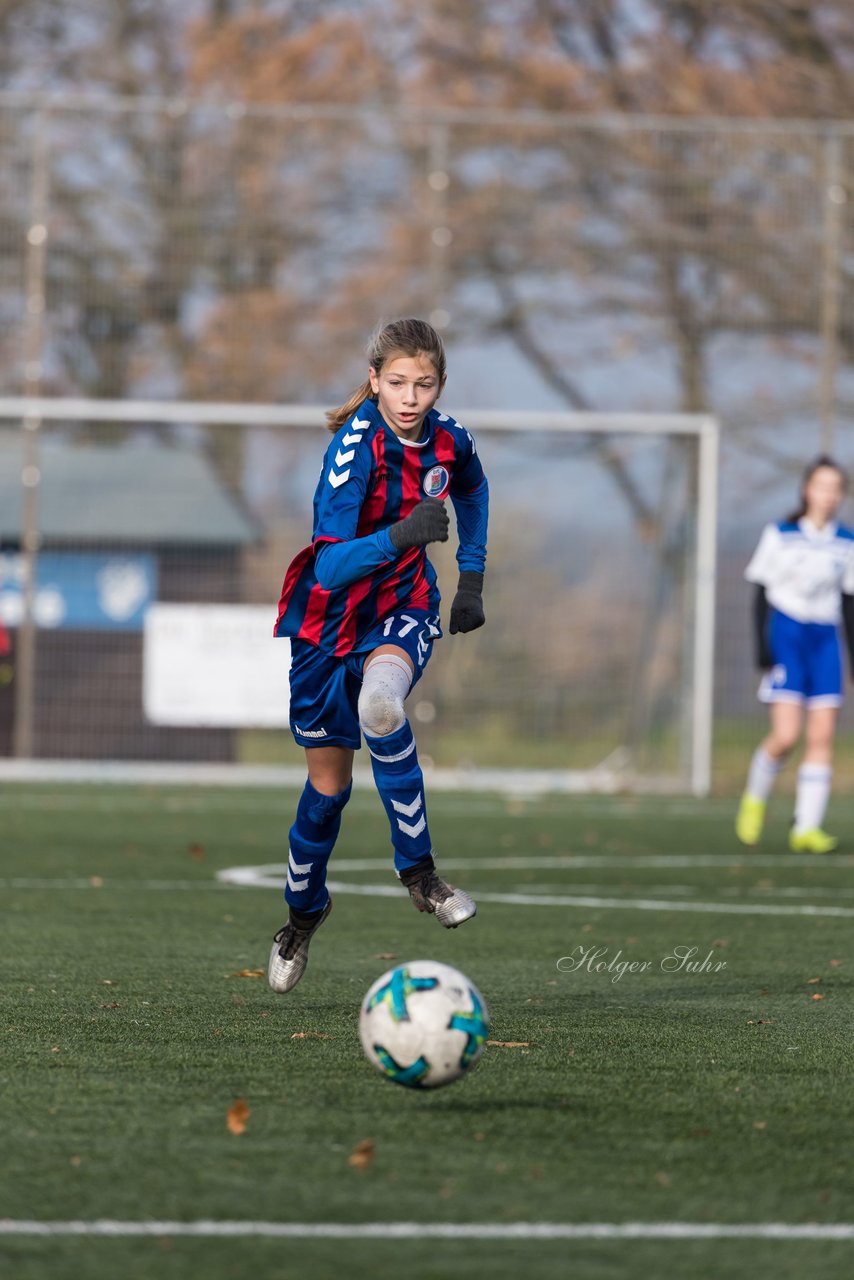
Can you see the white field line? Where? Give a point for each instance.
(586, 861)
(113, 1228)
(524, 784)
(625, 862)
(105, 882)
(272, 877)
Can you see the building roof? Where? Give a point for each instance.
(136, 493)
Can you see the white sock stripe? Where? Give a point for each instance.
(412, 830)
(408, 810)
(297, 885)
(393, 759)
(298, 868)
(811, 796)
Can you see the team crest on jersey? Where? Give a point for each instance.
(436, 481)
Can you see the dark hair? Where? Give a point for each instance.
(823, 460)
(398, 338)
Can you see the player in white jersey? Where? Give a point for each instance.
(803, 569)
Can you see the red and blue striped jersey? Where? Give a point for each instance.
(370, 479)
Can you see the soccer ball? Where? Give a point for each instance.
(423, 1024)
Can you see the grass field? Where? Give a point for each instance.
(718, 1097)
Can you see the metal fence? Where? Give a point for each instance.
(181, 250)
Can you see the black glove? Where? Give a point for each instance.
(428, 522)
(761, 617)
(467, 610)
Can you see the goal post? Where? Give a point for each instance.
(595, 671)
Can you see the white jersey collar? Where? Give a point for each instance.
(812, 530)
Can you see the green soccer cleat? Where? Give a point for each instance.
(812, 841)
(750, 819)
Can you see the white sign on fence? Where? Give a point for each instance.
(214, 665)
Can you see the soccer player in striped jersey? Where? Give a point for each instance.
(803, 571)
(361, 606)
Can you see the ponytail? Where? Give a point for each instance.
(335, 418)
(399, 338)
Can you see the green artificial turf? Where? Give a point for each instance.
(128, 1030)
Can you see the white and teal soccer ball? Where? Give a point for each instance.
(423, 1024)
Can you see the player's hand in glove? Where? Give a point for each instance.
(467, 610)
(428, 522)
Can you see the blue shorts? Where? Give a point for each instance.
(325, 689)
(807, 663)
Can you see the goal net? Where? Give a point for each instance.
(144, 544)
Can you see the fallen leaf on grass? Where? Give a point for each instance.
(812, 981)
(834, 964)
(759, 1124)
(113, 1004)
(385, 955)
(816, 995)
(196, 850)
(362, 1154)
(310, 1035)
(663, 1179)
(237, 1115)
(759, 1022)
(76, 1161)
(510, 1044)
(96, 882)
(248, 973)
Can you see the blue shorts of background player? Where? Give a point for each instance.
(325, 688)
(807, 663)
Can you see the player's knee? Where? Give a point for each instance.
(385, 684)
(786, 743)
(380, 712)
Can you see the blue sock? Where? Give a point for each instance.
(400, 783)
(312, 839)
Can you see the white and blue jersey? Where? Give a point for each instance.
(805, 572)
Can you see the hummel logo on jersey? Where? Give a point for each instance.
(347, 453)
(310, 733)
